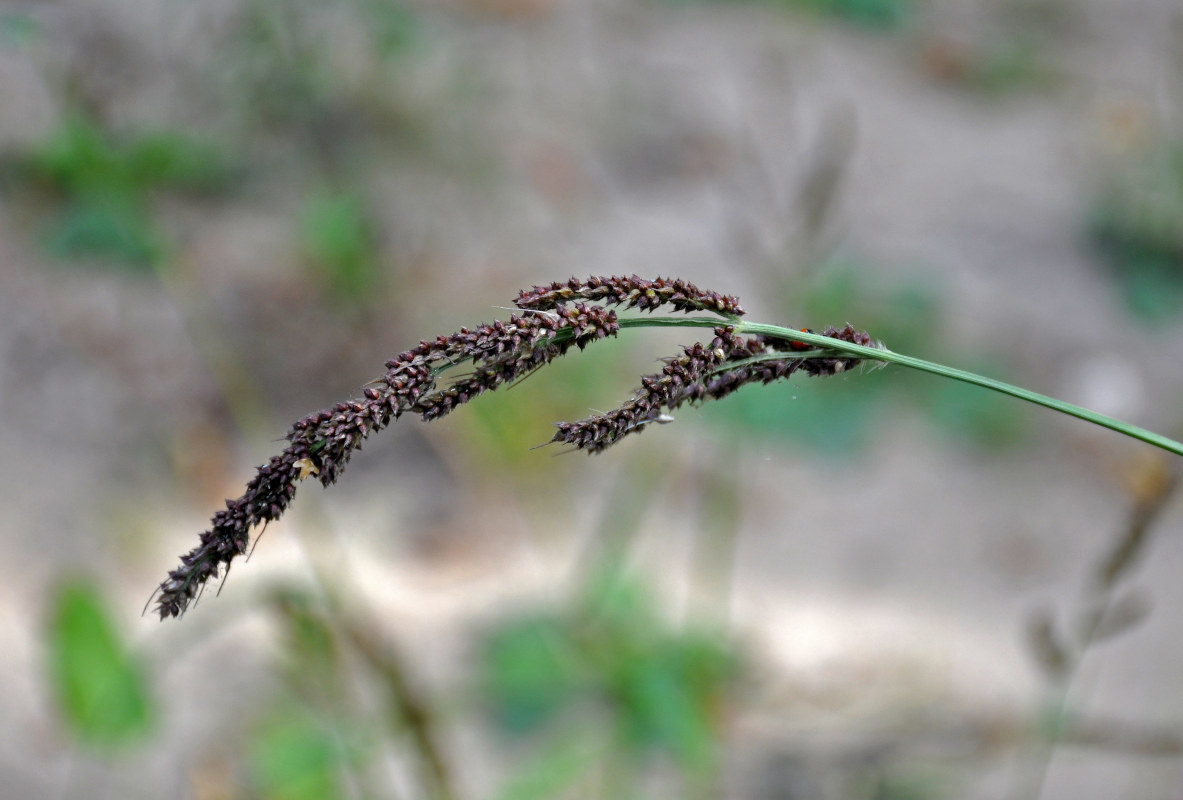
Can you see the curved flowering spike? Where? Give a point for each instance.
(662, 391)
(701, 374)
(634, 292)
(772, 368)
(321, 444)
(500, 352)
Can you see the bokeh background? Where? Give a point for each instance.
(217, 217)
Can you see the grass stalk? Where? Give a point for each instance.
(882, 354)
(553, 319)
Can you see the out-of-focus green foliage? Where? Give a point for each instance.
(392, 25)
(113, 228)
(17, 30)
(610, 661)
(1137, 220)
(297, 757)
(98, 683)
(532, 669)
(908, 786)
(101, 186)
(79, 158)
(340, 245)
(868, 13)
(559, 766)
(865, 13)
(313, 738)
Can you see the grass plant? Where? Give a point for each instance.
(101, 187)
(553, 319)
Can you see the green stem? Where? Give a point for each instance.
(890, 357)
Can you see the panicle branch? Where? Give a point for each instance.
(634, 292)
(705, 373)
(322, 443)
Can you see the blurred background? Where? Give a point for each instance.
(217, 217)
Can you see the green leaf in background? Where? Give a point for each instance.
(98, 684)
(79, 158)
(662, 706)
(669, 688)
(871, 14)
(1136, 221)
(18, 30)
(660, 689)
(102, 186)
(664, 685)
(115, 229)
(74, 158)
(531, 672)
(558, 767)
(297, 758)
(910, 786)
(1152, 288)
(867, 13)
(393, 26)
(340, 244)
(169, 160)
